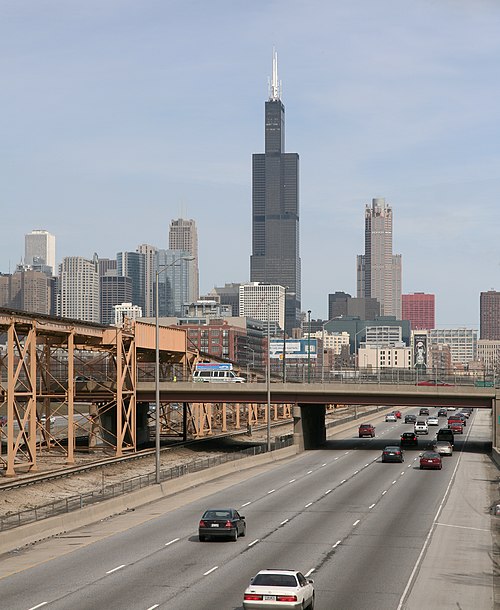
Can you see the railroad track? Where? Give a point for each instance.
(60, 473)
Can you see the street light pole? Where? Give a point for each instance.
(284, 337)
(309, 347)
(157, 364)
(268, 378)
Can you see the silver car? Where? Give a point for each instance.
(443, 448)
(287, 589)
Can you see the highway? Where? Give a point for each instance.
(372, 536)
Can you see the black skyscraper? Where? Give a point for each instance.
(275, 209)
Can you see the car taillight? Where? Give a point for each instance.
(202, 523)
(228, 524)
(252, 597)
(286, 598)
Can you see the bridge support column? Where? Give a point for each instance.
(309, 431)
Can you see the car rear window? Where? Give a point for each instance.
(275, 580)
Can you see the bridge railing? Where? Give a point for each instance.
(384, 375)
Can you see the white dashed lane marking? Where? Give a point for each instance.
(115, 569)
(172, 542)
(210, 571)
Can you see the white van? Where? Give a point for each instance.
(216, 374)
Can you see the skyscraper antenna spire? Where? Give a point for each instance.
(275, 85)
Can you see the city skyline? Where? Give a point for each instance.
(115, 126)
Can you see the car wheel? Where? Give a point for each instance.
(311, 605)
(244, 532)
(421, 467)
(234, 536)
(202, 538)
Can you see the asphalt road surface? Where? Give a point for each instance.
(372, 536)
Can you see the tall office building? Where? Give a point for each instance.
(489, 314)
(275, 255)
(183, 235)
(263, 302)
(79, 288)
(149, 253)
(419, 308)
(173, 281)
(40, 249)
(115, 290)
(378, 269)
(133, 265)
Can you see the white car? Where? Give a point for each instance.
(421, 427)
(279, 589)
(432, 421)
(391, 417)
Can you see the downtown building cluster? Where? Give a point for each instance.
(380, 328)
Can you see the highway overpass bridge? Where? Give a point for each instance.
(310, 400)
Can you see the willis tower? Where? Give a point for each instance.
(275, 209)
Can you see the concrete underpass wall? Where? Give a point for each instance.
(309, 431)
(495, 425)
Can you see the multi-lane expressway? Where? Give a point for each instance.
(371, 535)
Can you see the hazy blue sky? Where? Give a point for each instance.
(119, 115)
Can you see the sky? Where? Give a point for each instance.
(118, 116)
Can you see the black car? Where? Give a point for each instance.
(445, 434)
(424, 411)
(409, 439)
(221, 522)
(392, 454)
(442, 413)
(410, 418)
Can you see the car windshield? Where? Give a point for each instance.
(275, 580)
(217, 514)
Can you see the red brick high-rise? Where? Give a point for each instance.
(419, 308)
(489, 313)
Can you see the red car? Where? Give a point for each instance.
(397, 414)
(366, 430)
(456, 427)
(431, 459)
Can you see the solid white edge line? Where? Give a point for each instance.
(371, 505)
(283, 522)
(336, 544)
(172, 542)
(356, 522)
(210, 571)
(246, 504)
(254, 542)
(39, 606)
(429, 534)
(309, 573)
(116, 569)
